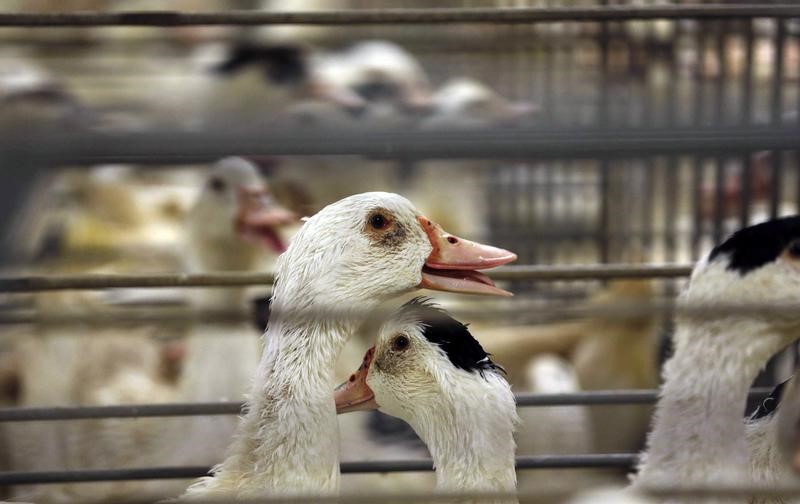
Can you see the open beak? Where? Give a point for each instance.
(454, 263)
(259, 218)
(355, 394)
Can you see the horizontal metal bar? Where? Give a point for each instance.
(86, 475)
(228, 279)
(91, 282)
(378, 466)
(519, 312)
(399, 16)
(179, 147)
(590, 272)
(120, 411)
(597, 397)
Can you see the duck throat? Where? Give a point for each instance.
(698, 433)
(288, 441)
(471, 441)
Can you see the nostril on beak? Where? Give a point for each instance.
(452, 239)
(352, 378)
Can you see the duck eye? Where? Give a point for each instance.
(400, 343)
(217, 184)
(378, 221)
(794, 249)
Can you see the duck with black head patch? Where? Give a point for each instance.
(427, 369)
(698, 435)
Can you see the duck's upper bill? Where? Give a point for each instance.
(454, 262)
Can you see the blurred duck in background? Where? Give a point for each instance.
(234, 225)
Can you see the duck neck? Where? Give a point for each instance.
(471, 439)
(212, 255)
(288, 441)
(698, 431)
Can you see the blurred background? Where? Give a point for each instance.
(623, 108)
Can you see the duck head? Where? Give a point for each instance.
(427, 369)
(373, 246)
(758, 264)
(236, 206)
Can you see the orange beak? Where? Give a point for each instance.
(259, 218)
(454, 263)
(355, 394)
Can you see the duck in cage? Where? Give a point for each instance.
(558, 242)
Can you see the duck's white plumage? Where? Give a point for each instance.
(427, 369)
(698, 434)
(347, 258)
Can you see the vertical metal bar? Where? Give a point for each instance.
(671, 178)
(776, 105)
(647, 197)
(571, 200)
(672, 190)
(719, 102)
(697, 191)
(549, 210)
(719, 198)
(747, 91)
(776, 183)
(747, 190)
(698, 167)
(490, 183)
(605, 238)
(777, 110)
(746, 119)
(549, 81)
(648, 200)
(604, 229)
(719, 120)
(699, 91)
(603, 99)
(530, 210)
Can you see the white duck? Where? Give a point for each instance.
(427, 369)
(698, 434)
(347, 258)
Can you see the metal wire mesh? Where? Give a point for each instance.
(736, 126)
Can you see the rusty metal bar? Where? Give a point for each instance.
(587, 398)
(348, 17)
(233, 279)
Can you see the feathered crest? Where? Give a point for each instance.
(453, 337)
(752, 247)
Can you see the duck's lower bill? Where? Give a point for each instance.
(461, 281)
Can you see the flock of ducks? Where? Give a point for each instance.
(359, 255)
(426, 368)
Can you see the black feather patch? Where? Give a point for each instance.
(752, 247)
(461, 348)
(770, 404)
(284, 65)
